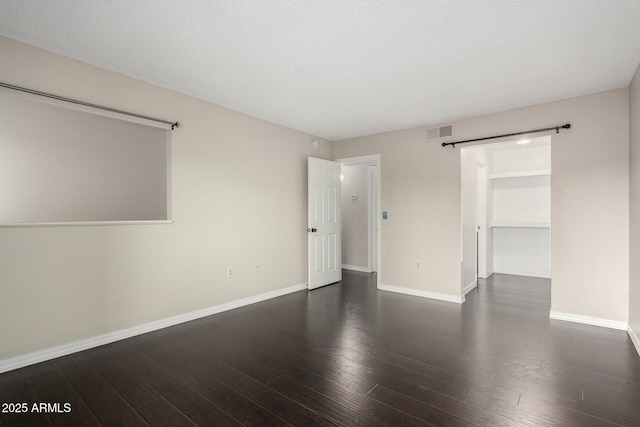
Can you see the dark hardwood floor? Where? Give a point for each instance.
(348, 354)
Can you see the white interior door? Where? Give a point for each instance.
(325, 247)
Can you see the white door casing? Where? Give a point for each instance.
(324, 223)
(481, 218)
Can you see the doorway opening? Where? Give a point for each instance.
(506, 210)
(361, 214)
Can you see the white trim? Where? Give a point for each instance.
(634, 339)
(471, 286)
(482, 187)
(370, 160)
(356, 268)
(423, 294)
(63, 350)
(522, 273)
(593, 321)
(378, 217)
(489, 273)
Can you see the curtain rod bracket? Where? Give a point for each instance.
(557, 129)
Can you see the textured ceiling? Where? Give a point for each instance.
(345, 68)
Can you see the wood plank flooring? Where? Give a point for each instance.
(348, 354)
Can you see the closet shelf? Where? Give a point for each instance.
(520, 224)
(541, 172)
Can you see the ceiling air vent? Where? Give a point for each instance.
(446, 131)
(441, 132)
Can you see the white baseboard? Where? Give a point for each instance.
(356, 268)
(593, 321)
(489, 273)
(423, 294)
(634, 339)
(74, 347)
(471, 286)
(523, 273)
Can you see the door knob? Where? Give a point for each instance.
(312, 230)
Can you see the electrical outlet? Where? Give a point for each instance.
(418, 264)
(257, 268)
(229, 272)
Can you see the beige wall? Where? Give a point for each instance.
(634, 160)
(421, 192)
(239, 199)
(589, 206)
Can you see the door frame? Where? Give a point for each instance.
(481, 219)
(484, 168)
(374, 240)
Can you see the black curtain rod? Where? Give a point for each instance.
(174, 125)
(556, 128)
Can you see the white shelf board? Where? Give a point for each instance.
(541, 172)
(520, 224)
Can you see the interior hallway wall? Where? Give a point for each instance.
(239, 200)
(355, 217)
(589, 201)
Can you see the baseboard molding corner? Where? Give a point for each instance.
(586, 320)
(634, 339)
(356, 268)
(471, 286)
(424, 294)
(85, 344)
